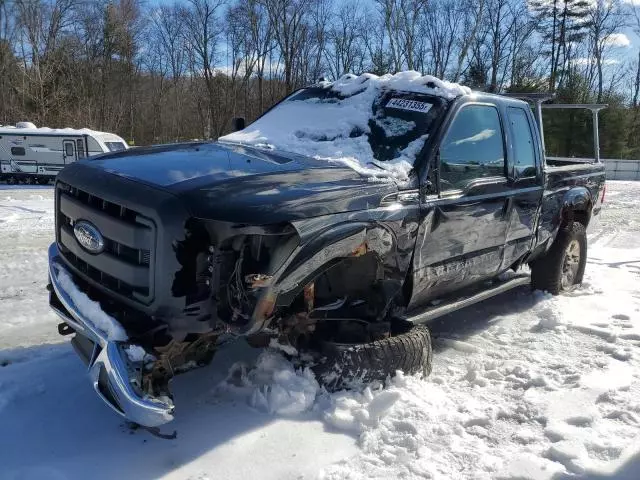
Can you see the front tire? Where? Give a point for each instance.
(343, 365)
(562, 267)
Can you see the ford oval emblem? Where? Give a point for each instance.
(88, 236)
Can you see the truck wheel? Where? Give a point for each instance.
(562, 267)
(342, 365)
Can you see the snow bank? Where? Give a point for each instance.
(357, 412)
(408, 81)
(273, 385)
(91, 310)
(323, 130)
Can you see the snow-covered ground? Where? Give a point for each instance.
(525, 386)
(26, 230)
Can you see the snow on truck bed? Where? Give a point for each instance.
(524, 387)
(337, 127)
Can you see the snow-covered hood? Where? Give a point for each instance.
(353, 120)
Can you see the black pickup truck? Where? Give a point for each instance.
(186, 245)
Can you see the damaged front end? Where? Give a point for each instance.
(284, 281)
(116, 378)
(184, 262)
(131, 371)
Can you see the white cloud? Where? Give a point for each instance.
(618, 39)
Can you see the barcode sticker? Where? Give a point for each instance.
(412, 105)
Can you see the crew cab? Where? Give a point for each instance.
(337, 224)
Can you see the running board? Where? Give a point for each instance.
(456, 304)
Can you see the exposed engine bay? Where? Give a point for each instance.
(238, 289)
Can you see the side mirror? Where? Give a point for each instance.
(238, 123)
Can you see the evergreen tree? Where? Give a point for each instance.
(560, 23)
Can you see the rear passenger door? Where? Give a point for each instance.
(462, 232)
(525, 182)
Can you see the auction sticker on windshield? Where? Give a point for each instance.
(413, 105)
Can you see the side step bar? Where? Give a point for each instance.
(456, 304)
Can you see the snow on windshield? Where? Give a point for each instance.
(395, 127)
(375, 125)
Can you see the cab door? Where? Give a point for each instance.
(69, 151)
(463, 229)
(525, 177)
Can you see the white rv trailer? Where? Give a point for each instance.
(29, 154)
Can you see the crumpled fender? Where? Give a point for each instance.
(561, 211)
(576, 199)
(323, 249)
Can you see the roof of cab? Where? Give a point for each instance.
(494, 98)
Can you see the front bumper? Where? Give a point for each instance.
(109, 367)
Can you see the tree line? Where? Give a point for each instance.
(165, 72)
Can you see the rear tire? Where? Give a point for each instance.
(344, 365)
(562, 267)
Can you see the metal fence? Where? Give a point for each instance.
(617, 169)
(622, 169)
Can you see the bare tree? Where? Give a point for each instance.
(42, 24)
(402, 20)
(501, 23)
(345, 50)
(472, 12)
(290, 18)
(606, 19)
(168, 31)
(8, 61)
(441, 28)
(203, 29)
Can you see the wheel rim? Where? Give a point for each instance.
(571, 264)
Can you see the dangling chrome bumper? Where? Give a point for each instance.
(110, 370)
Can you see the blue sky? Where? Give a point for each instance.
(625, 43)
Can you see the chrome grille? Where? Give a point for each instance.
(125, 264)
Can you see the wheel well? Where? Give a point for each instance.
(582, 216)
(347, 298)
(352, 275)
(361, 280)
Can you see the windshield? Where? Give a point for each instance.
(371, 129)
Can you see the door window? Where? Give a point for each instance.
(68, 149)
(472, 148)
(523, 147)
(80, 147)
(115, 146)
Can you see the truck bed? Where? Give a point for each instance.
(564, 161)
